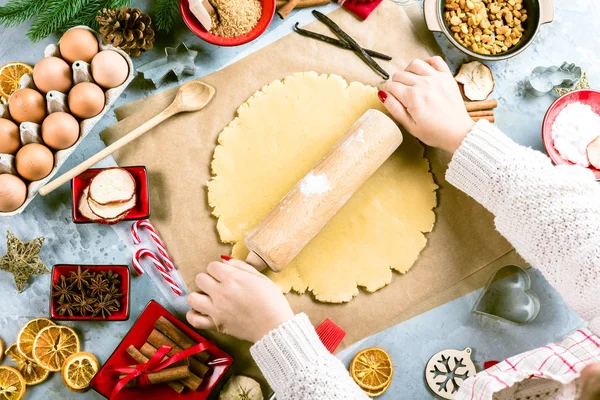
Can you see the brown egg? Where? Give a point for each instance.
(13, 192)
(109, 69)
(10, 140)
(86, 100)
(60, 130)
(27, 105)
(78, 44)
(34, 161)
(52, 73)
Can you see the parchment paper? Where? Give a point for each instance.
(463, 249)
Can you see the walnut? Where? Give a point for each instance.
(486, 26)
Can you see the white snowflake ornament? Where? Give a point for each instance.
(447, 370)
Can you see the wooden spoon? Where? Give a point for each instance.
(192, 96)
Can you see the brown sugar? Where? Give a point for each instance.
(235, 17)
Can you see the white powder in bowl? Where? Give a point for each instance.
(576, 126)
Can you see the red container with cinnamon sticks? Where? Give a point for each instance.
(161, 357)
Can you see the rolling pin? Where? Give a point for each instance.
(307, 208)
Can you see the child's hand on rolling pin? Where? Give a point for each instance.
(237, 300)
(426, 100)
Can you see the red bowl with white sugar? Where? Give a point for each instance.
(585, 96)
(268, 11)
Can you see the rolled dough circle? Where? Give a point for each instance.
(277, 137)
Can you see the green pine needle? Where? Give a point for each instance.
(54, 16)
(165, 13)
(18, 11)
(87, 16)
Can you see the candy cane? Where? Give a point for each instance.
(141, 253)
(162, 250)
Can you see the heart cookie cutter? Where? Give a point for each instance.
(508, 297)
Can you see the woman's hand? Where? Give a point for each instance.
(237, 300)
(426, 100)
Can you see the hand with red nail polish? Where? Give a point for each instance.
(426, 101)
(238, 300)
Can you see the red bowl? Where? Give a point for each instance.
(66, 269)
(268, 11)
(142, 206)
(585, 96)
(219, 361)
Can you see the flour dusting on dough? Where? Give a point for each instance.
(314, 184)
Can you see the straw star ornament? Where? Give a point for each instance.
(22, 259)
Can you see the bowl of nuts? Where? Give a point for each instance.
(488, 30)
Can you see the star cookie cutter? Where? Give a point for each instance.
(178, 60)
(544, 79)
(508, 297)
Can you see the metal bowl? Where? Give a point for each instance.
(539, 12)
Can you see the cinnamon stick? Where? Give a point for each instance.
(487, 113)
(166, 375)
(491, 119)
(304, 3)
(157, 339)
(179, 337)
(481, 105)
(287, 8)
(192, 382)
(140, 358)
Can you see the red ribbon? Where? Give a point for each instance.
(154, 364)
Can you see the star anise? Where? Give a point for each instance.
(81, 278)
(112, 277)
(65, 308)
(83, 305)
(105, 306)
(98, 286)
(63, 291)
(114, 292)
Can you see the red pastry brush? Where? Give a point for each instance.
(330, 334)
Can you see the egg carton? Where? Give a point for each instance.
(57, 101)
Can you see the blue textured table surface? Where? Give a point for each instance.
(571, 37)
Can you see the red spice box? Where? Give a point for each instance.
(142, 206)
(124, 287)
(219, 361)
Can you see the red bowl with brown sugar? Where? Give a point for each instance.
(268, 11)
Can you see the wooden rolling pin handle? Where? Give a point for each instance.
(307, 208)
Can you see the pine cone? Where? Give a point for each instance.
(128, 28)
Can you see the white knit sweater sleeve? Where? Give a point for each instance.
(298, 366)
(550, 214)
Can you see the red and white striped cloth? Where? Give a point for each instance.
(558, 362)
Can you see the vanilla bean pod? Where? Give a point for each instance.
(337, 43)
(335, 28)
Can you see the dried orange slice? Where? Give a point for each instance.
(375, 393)
(28, 333)
(10, 74)
(372, 369)
(53, 345)
(12, 384)
(32, 372)
(1, 350)
(79, 370)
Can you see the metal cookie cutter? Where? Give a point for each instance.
(179, 60)
(508, 296)
(543, 79)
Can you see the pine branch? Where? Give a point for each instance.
(87, 16)
(54, 16)
(165, 13)
(18, 11)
